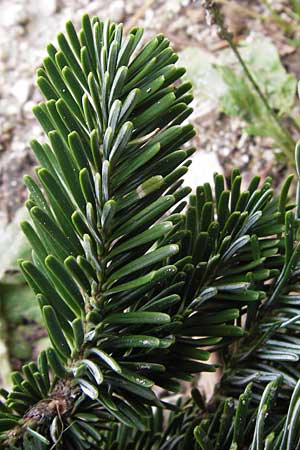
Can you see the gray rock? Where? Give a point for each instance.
(46, 7)
(21, 90)
(92, 8)
(204, 165)
(13, 14)
(116, 10)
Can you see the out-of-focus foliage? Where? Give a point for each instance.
(20, 316)
(221, 81)
(279, 87)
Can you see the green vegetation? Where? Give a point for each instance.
(138, 280)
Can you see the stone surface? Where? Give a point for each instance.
(14, 13)
(116, 10)
(46, 7)
(21, 90)
(202, 169)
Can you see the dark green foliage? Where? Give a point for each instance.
(246, 424)
(138, 286)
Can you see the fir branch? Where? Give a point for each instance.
(137, 286)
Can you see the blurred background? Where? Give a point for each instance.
(246, 110)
